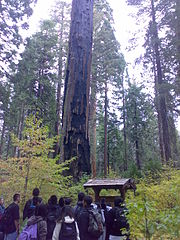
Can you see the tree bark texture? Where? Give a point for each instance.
(161, 146)
(92, 126)
(161, 91)
(136, 137)
(75, 139)
(105, 131)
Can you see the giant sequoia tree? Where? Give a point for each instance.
(75, 141)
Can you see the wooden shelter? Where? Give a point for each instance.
(117, 184)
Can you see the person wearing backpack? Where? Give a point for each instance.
(117, 222)
(66, 227)
(79, 207)
(29, 208)
(10, 219)
(36, 227)
(90, 222)
(53, 212)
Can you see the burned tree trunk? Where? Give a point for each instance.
(75, 139)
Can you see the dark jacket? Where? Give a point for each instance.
(41, 226)
(112, 228)
(77, 210)
(28, 211)
(53, 212)
(83, 225)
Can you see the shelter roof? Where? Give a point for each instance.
(109, 183)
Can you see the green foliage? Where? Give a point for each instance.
(34, 167)
(154, 213)
(13, 17)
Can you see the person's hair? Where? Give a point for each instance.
(66, 211)
(118, 201)
(103, 203)
(53, 200)
(81, 196)
(67, 201)
(35, 192)
(41, 210)
(61, 202)
(88, 200)
(16, 196)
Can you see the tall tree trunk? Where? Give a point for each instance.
(92, 126)
(162, 100)
(2, 137)
(136, 138)
(58, 99)
(161, 146)
(105, 131)
(75, 139)
(124, 129)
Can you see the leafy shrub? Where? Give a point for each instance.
(154, 213)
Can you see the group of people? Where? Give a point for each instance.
(59, 220)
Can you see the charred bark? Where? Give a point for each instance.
(75, 139)
(162, 100)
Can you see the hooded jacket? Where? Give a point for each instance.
(84, 223)
(41, 226)
(59, 225)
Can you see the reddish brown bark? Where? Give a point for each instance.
(92, 126)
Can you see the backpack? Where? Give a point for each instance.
(68, 231)
(53, 213)
(29, 233)
(95, 227)
(52, 216)
(120, 220)
(6, 219)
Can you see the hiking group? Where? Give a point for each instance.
(61, 221)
